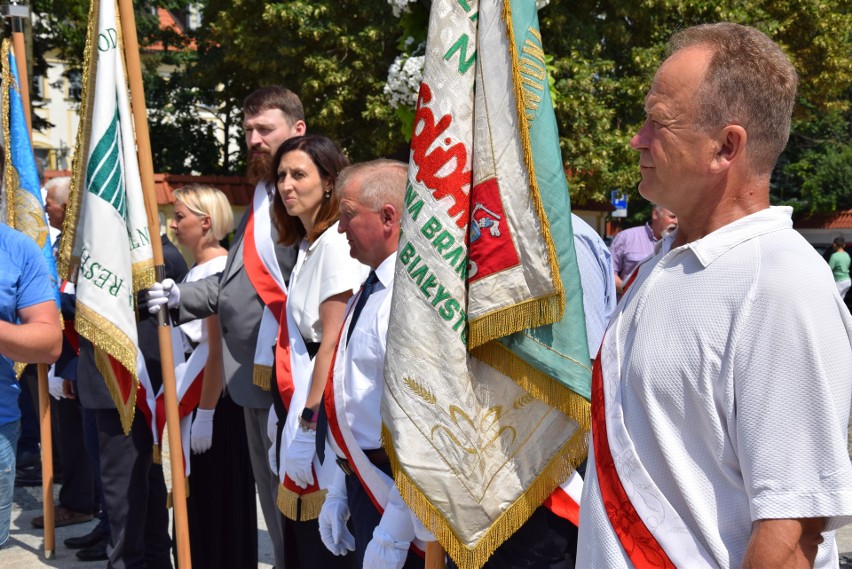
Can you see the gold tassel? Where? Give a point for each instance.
(126, 411)
(537, 383)
(107, 338)
(554, 473)
(520, 316)
(144, 275)
(524, 132)
(262, 377)
(300, 508)
(170, 500)
(9, 176)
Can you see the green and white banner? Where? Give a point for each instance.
(487, 371)
(106, 244)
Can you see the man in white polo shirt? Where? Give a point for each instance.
(720, 400)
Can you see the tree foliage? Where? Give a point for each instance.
(605, 56)
(336, 53)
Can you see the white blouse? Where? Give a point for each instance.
(322, 270)
(196, 330)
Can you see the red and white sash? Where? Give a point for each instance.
(188, 382)
(650, 530)
(341, 439)
(565, 500)
(376, 483)
(294, 502)
(265, 275)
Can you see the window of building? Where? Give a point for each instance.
(75, 85)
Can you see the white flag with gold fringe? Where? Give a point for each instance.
(106, 245)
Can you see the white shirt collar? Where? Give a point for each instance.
(385, 271)
(712, 246)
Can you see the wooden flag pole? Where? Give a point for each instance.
(146, 171)
(46, 462)
(17, 13)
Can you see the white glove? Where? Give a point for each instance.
(300, 458)
(163, 293)
(420, 531)
(333, 516)
(201, 434)
(272, 457)
(272, 433)
(54, 386)
(389, 547)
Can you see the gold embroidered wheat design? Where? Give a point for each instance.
(420, 390)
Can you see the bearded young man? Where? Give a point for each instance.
(271, 115)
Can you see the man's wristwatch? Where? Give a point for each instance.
(307, 420)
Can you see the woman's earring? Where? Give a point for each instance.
(327, 194)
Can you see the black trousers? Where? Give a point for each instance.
(303, 548)
(365, 517)
(545, 541)
(135, 495)
(78, 481)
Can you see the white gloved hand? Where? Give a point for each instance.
(420, 531)
(300, 457)
(392, 537)
(54, 386)
(333, 516)
(272, 433)
(201, 433)
(272, 458)
(166, 292)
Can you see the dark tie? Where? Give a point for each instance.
(366, 291)
(322, 418)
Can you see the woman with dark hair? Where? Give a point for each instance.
(305, 211)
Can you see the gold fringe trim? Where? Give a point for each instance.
(537, 383)
(474, 556)
(126, 411)
(300, 508)
(170, 499)
(527, 314)
(157, 454)
(506, 322)
(144, 275)
(11, 184)
(109, 339)
(65, 263)
(261, 376)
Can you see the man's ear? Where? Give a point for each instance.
(731, 147)
(300, 127)
(388, 215)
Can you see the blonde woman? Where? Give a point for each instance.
(221, 505)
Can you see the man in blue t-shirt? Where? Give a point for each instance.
(30, 333)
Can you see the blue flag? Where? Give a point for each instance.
(24, 204)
